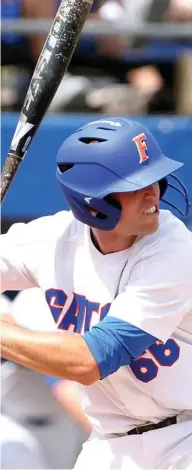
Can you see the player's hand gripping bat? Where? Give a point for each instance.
(51, 66)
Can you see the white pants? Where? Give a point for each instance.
(18, 447)
(166, 448)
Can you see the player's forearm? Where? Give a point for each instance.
(56, 354)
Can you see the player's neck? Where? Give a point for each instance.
(108, 242)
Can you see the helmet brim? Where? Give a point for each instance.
(97, 181)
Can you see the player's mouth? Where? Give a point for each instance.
(151, 210)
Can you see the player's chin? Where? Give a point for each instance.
(150, 223)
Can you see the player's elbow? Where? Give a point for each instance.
(90, 374)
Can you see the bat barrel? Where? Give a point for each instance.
(55, 57)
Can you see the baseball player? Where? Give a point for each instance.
(29, 401)
(116, 273)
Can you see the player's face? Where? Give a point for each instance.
(139, 216)
(140, 211)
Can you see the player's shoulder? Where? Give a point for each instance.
(47, 228)
(171, 232)
(165, 255)
(174, 231)
(169, 220)
(171, 243)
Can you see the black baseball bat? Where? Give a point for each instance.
(49, 71)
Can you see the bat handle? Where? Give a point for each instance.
(8, 172)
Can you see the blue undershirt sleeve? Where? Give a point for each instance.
(115, 343)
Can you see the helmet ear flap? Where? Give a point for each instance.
(163, 186)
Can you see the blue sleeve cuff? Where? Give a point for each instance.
(115, 343)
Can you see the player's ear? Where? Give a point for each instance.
(93, 212)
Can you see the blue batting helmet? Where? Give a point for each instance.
(109, 156)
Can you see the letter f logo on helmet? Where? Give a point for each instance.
(140, 141)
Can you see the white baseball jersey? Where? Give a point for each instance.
(148, 285)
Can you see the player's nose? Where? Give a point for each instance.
(152, 191)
